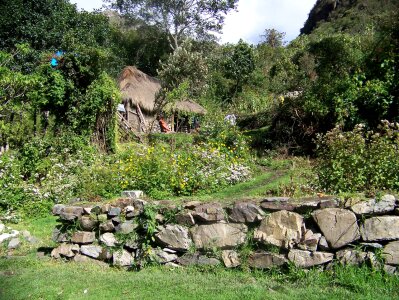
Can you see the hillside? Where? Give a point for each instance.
(351, 16)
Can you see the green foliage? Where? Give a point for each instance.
(273, 38)
(183, 75)
(185, 171)
(43, 172)
(231, 68)
(179, 19)
(359, 160)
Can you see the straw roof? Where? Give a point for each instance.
(186, 106)
(139, 88)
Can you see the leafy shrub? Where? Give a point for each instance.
(44, 171)
(359, 160)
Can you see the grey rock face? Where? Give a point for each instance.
(185, 218)
(372, 206)
(107, 226)
(230, 258)
(66, 250)
(93, 251)
(83, 237)
(356, 258)
(7, 236)
(126, 227)
(57, 209)
(189, 259)
(277, 204)
(70, 213)
(122, 258)
(174, 237)
(14, 243)
(114, 212)
(87, 223)
(129, 211)
(391, 253)
(309, 241)
(392, 270)
(282, 229)
(223, 236)
(384, 228)
(209, 212)
(246, 212)
(323, 245)
(132, 194)
(164, 257)
(59, 236)
(192, 204)
(339, 226)
(85, 259)
(108, 239)
(265, 260)
(307, 259)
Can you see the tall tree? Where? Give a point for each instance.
(179, 18)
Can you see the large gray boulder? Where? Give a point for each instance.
(307, 259)
(384, 205)
(282, 229)
(174, 237)
(391, 253)
(246, 212)
(266, 260)
(83, 237)
(220, 235)
(126, 227)
(209, 212)
(108, 239)
(339, 226)
(122, 258)
(14, 243)
(384, 228)
(70, 213)
(93, 251)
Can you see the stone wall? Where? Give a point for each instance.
(273, 232)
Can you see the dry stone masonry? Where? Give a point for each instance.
(131, 232)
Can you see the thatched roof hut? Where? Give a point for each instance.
(139, 88)
(186, 106)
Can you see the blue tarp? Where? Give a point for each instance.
(56, 56)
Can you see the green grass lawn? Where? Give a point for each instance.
(25, 276)
(30, 278)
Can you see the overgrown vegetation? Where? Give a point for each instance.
(58, 99)
(359, 160)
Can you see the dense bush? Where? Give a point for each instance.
(43, 172)
(359, 160)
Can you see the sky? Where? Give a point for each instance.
(252, 18)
